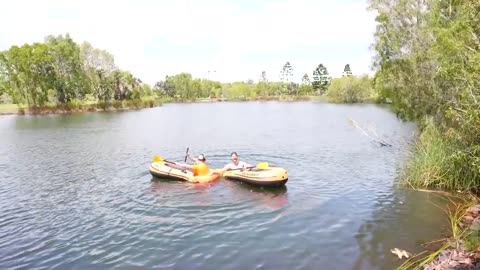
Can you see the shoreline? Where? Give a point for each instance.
(460, 250)
(63, 111)
(119, 106)
(14, 109)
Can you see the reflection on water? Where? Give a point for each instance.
(273, 198)
(405, 220)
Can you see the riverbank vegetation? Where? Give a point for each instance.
(351, 89)
(428, 61)
(59, 75)
(346, 89)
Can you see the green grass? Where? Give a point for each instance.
(81, 106)
(9, 108)
(431, 166)
(472, 241)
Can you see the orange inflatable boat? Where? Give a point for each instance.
(164, 169)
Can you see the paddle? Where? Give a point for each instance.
(186, 155)
(159, 159)
(261, 166)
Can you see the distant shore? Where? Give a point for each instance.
(78, 107)
(45, 111)
(14, 109)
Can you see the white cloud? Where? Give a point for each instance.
(157, 38)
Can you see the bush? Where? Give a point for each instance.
(117, 104)
(350, 89)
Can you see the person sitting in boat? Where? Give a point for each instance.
(200, 168)
(236, 164)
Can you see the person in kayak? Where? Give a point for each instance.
(236, 164)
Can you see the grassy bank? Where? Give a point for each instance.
(286, 98)
(116, 105)
(277, 98)
(82, 106)
(441, 161)
(10, 108)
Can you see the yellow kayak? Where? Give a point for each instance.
(163, 169)
(271, 176)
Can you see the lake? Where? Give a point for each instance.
(76, 193)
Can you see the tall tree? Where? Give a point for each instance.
(286, 73)
(306, 86)
(263, 77)
(69, 77)
(347, 71)
(3, 80)
(29, 70)
(306, 79)
(99, 66)
(182, 84)
(320, 79)
(166, 87)
(261, 89)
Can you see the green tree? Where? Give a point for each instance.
(30, 74)
(428, 61)
(59, 70)
(350, 89)
(347, 71)
(3, 80)
(197, 89)
(239, 90)
(286, 73)
(124, 83)
(166, 87)
(263, 77)
(306, 86)
(69, 79)
(182, 85)
(98, 66)
(320, 79)
(306, 79)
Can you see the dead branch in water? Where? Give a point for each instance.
(377, 139)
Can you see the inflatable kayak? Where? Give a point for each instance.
(271, 176)
(163, 169)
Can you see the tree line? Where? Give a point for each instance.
(61, 71)
(348, 88)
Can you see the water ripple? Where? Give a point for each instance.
(76, 192)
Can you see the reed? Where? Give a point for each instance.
(430, 164)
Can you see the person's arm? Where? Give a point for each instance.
(247, 166)
(184, 166)
(220, 171)
(192, 159)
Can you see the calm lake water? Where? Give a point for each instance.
(76, 193)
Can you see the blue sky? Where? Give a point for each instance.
(234, 40)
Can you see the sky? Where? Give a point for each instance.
(223, 40)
